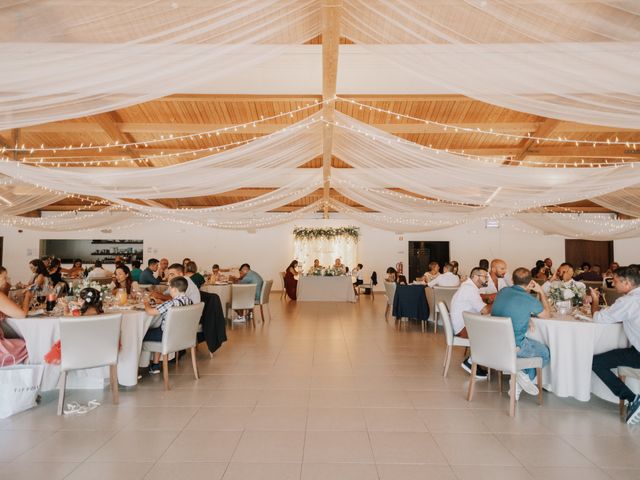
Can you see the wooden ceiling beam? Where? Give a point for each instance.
(330, 18)
(109, 123)
(196, 97)
(545, 128)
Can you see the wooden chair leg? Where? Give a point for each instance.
(177, 356)
(472, 381)
(435, 323)
(622, 379)
(194, 363)
(539, 375)
(447, 360)
(512, 395)
(62, 384)
(262, 313)
(113, 380)
(165, 371)
(500, 381)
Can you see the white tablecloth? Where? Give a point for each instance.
(223, 291)
(325, 289)
(572, 344)
(40, 333)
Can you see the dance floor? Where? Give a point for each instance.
(321, 391)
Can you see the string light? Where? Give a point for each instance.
(446, 126)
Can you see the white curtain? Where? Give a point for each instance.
(572, 61)
(63, 60)
(326, 250)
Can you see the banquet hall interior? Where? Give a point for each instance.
(228, 231)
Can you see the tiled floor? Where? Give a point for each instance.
(322, 391)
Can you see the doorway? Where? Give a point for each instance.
(421, 254)
(577, 252)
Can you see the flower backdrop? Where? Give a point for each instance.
(326, 244)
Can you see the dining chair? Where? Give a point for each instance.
(623, 373)
(452, 340)
(428, 291)
(493, 345)
(180, 332)
(264, 298)
(390, 291)
(366, 285)
(89, 342)
(243, 297)
(611, 295)
(442, 294)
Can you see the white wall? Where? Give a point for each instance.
(269, 250)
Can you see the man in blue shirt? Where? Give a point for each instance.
(147, 276)
(249, 277)
(517, 303)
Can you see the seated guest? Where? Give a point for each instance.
(161, 274)
(608, 275)
(178, 298)
(76, 270)
(392, 275)
(290, 281)
(46, 259)
(55, 271)
(497, 282)
(446, 279)
(122, 280)
(216, 275)
(12, 350)
(517, 303)
(564, 276)
(339, 267)
(98, 272)
(484, 264)
(594, 274)
(185, 261)
(357, 274)
(147, 276)
(540, 271)
(135, 271)
(584, 267)
(249, 277)
(316, 268)
(548, 263)
(40, 274)
(455, 268)
(625, 310)
(467, 299)
(434, 271)
(402, 280)
(177, 270)
(192, 273)
(5, 285)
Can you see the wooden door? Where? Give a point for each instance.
(596, 253)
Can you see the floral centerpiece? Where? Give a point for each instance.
(567, 291)
(317, 271)
(103, 289)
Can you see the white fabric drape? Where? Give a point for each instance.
(583, 226)
(527, 57)
(63, 61)
(626, 201)
(17, 198)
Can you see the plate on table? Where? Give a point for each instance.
(36, 313)
(221, 283)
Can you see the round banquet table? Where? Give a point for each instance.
(40, 333)
(572, 344)
(315, 288)
(223, 291)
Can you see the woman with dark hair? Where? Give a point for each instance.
(91, 305)
(290, 281)
(392, 275)
(40, 274)
(192, 272)
(76, 271)
(122, 280)
(55, 271)
(539, 272)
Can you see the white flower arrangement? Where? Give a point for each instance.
(571, 291)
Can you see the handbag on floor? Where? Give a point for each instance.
(19, 386)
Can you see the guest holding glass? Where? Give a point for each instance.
(290, 280)
(123, 280)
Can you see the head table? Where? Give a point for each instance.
(40, 333)
(572, 344)
(316, 288)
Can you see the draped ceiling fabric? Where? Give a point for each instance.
(64, 63)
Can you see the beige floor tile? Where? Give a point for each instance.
(405, 447)
(525, 421)
(438, 399)
(187, 471)
(134, 446)
(220, 418)
(543, 450)
(111, 471)
(35, 470)
(339, 471)
(327, 398)
(270, 447)
(14, 443)
(452, 421)
(336, 419)
(202, 446)
(277, 418)
(233, 398)
(474, 449)
(393, 420)
(607, 451)
(623, 473)
(564, 473)
(67, 446)
(283, 398)
(262, 471)
(337, 447)
(384, 398)
(415, 472)
(160, 418)
(477, 472)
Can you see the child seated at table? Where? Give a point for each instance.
(177, 289)
(91, 305)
